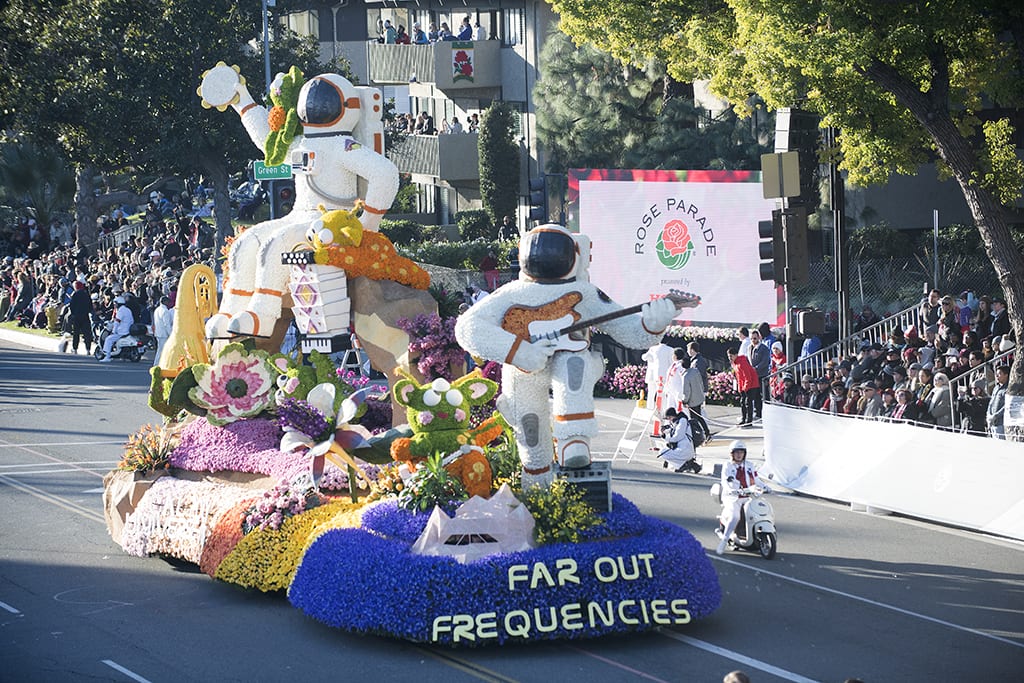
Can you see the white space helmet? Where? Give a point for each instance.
(328, 105)
(548, 253)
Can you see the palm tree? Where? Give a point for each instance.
(35, 178)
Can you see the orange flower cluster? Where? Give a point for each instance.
(224, 536)
(228, 240)
(276, 118)
(376, 258)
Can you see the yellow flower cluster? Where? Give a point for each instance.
(267, 559)
(560, 512)
(376, 258)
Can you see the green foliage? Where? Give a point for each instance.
(499, 161)
(447, 301)
(432, 485)
(559, 511)
(506, 467)
(401, 233)
(35, 177)
(589, 113)
(475, 224)
(458, 255)
(405, 198)
(873, 241)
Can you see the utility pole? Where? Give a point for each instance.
(266, 76)
(837, 199)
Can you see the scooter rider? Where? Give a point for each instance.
(737, 475)
(120, 325)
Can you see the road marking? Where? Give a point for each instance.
(50, 498)
(55, 464)
(4, 605)
(612, 662)
(737, 657)
(465, 666)
(61, 443)
(868, 601)
(130, 674)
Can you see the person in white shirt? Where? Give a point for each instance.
(737, 475)
(163, 323)
(122, 323)
(478, 32)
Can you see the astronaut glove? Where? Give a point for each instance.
(657, 314)
(531, 357)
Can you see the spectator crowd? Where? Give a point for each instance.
(909, 378)
(39, 278)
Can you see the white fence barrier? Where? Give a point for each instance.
(965, 481)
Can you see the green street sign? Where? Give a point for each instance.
(260, 171)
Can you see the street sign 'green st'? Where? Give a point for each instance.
(260, 171)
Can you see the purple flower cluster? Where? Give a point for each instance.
(410, 590)
(244, 446)
(432, 340)
(278, 504)
(627, 381)
(303, 417)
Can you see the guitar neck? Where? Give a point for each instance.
(584, 324)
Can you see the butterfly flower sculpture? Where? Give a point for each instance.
(327, 435)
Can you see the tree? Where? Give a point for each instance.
(499, 161)
(595, 112)
(589, 114)
(903, 82)
(35, 178)
(128, 98)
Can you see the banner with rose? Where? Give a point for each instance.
(462, 61)
(694, 231)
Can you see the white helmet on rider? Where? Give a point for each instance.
(738, 445)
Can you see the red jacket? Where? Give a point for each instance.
(746, 375)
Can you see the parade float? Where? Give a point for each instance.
(458, 508)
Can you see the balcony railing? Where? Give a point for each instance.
(451, 157)
(450, 66)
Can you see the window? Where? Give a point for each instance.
(513, 26)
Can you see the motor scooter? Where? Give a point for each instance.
(131, 347)
(756, 529)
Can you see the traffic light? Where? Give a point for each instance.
(538, 200)
(794, 231)
(282, 197)
(783, 247)
(772, 249)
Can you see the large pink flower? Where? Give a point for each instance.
(238, 385)
(676, 237)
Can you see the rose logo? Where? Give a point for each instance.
(462, 65)
(675, 247)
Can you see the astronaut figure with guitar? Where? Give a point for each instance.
(538, 327)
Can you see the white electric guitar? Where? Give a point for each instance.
(558, 321)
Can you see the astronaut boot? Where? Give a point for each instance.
(217, 326)
(575, 454)
(260, 315)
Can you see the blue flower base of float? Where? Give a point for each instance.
(633, 573)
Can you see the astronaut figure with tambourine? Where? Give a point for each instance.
(530, 324)
(332, 136)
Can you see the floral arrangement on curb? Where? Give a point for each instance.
(722, 389)
(626, 381)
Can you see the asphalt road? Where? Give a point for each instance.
(848, 595)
